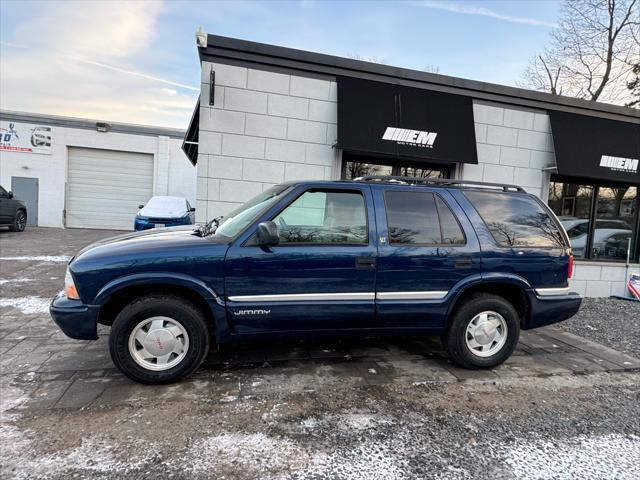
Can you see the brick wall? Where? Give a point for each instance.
(514, 145)
(264, 128)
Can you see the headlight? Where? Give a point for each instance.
(70, 287)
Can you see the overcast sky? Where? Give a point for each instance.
(137, 62)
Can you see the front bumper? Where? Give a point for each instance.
(551, 309)
(74, 318)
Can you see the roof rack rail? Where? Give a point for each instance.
(435, 181)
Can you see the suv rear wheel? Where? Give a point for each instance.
(158, 339)
(483, 332)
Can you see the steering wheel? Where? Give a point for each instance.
(282, 222)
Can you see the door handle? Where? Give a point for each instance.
(462, 263)
(365, 262)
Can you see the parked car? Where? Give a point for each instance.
(577, 230)
(474, 263)
(164, 211)
(616, 245)
(13, 212)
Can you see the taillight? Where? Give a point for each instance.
(570, 266)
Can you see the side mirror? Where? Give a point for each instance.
(192, 209)
(10, 194)
(268, 234)
(140, 206)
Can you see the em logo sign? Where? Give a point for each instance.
(404, 136)
(619, 164)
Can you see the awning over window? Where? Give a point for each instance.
(190, 142)
(596, 148)
(398, 121)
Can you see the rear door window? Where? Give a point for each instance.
(516, 220)
(421, 218)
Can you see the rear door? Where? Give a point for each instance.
(322, 274)
(426, 246)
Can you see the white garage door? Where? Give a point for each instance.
(105, 187)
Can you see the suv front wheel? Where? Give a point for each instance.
(158, 339)
(483, 332)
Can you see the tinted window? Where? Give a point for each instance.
(418, 218)
(324, 217)
(451, 231)
(516, 220)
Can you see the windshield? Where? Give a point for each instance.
(237, 220)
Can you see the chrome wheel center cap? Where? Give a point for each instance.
(484, 333)
(159, 342)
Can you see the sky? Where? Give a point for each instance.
(137, 62)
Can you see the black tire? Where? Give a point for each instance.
(19, 222)
(178, 310)
(455, 338)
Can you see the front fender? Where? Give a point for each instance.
(178, 279)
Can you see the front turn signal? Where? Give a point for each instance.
(70, 287)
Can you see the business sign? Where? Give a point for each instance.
(25, 138)
(405, 122)
(596, 148)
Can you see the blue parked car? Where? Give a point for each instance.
(164, 211)
(474, 263)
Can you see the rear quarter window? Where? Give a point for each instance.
(516, 220)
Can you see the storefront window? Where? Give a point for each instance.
(361, 169)
(601, 221)
(356, 166)
(571, 202)
(615, 220)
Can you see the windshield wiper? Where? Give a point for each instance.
(210, 227)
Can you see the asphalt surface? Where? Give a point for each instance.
(360, 410)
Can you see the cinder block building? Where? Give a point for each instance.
(269, 114)
(81, 173)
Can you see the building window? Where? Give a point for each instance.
(571, 202)
(601, 220)
(354, 166)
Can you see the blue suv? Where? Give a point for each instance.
(471, 262)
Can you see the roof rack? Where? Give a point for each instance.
(435, 181)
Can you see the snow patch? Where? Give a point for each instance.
(27, 305)
(39, 258)
(16, 280)
(604, 457)
(254, 454)
(164, 207)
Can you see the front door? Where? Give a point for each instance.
(427, 246)
(26, 189)
(322, 274)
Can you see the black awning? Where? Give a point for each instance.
(386, 119)
(596, 148)
(190, 142)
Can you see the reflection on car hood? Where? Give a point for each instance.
(154, 240)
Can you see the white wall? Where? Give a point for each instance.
(514, 146)
(173, 173)
(264, 128)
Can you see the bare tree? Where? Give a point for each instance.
(634, 87)
(592, 51)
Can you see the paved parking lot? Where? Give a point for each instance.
(336, 408)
